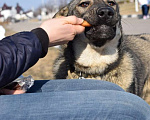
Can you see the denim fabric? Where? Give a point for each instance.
(74, 100)
(145, 10)
(72, 85)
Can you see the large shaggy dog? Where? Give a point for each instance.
(102, 51)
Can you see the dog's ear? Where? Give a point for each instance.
(62, 12)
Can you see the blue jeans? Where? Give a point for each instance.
(74, 100)
(145, 10)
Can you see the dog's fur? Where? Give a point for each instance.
(102, 51)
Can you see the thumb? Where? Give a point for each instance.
(74, 20)
(79, 29)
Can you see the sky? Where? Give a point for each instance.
(28, 4)
(25, 4)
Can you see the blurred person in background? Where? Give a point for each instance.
(145, 8)
(2, 32)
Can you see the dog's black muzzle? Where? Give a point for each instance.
(105, 27)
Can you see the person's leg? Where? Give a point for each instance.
(148, 12)
(144, 11)
(72, 85)
(78, 105)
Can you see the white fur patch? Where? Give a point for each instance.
(91, 56)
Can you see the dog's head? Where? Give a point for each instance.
(103, 15)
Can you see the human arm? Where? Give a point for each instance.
(24, 49)
(63, 30)
(18, 53)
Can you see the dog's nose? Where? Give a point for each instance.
(105, 13)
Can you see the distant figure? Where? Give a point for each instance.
(2, 32)
(145, 8)
(39, 17)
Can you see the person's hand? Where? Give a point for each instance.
(11, 92)
(62, 30)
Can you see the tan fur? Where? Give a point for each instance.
(123, 60)
(122, 75)
(146, 91)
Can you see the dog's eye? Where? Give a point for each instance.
(84, 4)
(111, 3)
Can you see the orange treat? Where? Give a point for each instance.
(86, 24)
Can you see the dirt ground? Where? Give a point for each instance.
(128, 9)
(43, 69)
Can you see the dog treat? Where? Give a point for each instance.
(86, 24)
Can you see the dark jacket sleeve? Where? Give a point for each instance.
(19, 52)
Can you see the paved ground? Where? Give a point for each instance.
(130, 26)
(23, 26)
(135, 26)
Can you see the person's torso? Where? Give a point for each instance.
(143, 2)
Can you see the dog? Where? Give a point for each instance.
(103, 52)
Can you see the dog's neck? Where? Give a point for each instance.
(95, 58)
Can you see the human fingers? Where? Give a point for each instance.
(11, 92)
(78, 29)
(73, 20)
(15, 92)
